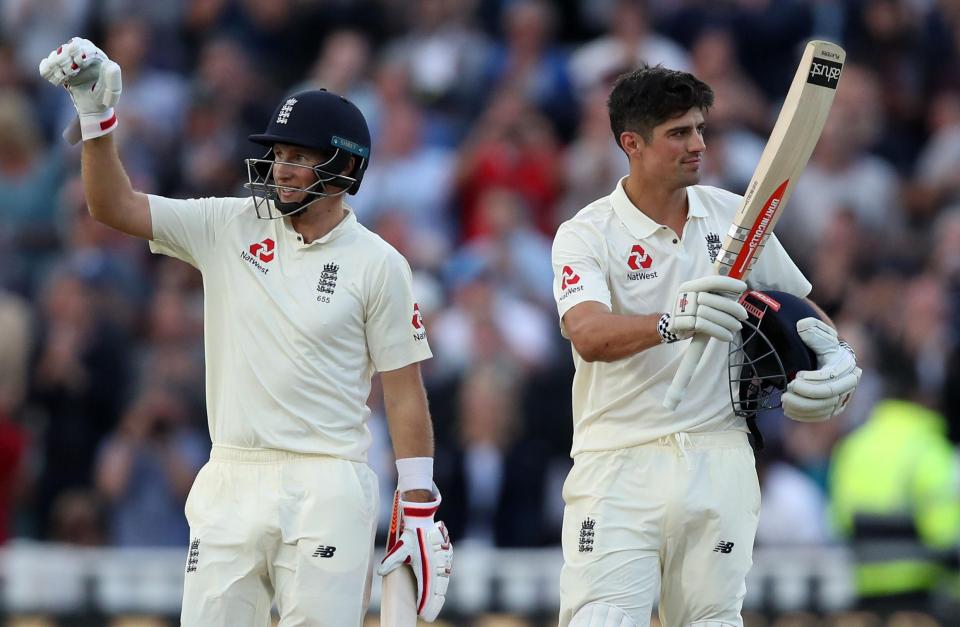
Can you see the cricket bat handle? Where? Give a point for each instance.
(691, 357)
(398, 601)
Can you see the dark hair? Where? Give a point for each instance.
(649, 96)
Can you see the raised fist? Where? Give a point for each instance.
(94, 84)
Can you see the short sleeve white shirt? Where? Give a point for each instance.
(612, 253)
(293, 332)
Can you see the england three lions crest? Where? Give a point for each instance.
(713, 246)
(328, 282)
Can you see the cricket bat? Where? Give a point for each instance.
(794, 135)
(398, 600)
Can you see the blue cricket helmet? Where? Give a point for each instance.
(322, 121)
(770, 351)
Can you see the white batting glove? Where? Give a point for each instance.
(706, 305)
(425, 546)
(817, 395)
(93, 82)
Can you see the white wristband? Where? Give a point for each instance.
(414, 473)
(97, 124)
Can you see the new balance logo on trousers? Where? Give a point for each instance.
(723, 547)
(325, 551)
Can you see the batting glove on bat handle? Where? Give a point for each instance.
(423, 545)
(708, 306)
(94, 83)
(816, 395)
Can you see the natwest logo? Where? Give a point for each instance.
(419, 332)
(639, 259)
(259, 252)
(417, 318)
(569, 278)
(263, 250)
(569, 283)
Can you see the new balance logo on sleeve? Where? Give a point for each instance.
(723, 547)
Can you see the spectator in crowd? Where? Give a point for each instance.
(531, 65)
(30, 175)
(945, 262)
(79, 383)
(628, 43)
(511, 146)
(937, 172)
(404, 157)
(893, 493)
(14, 357)
(35, 23)
(342, 66)
(101, 254)
(172, 353)
(76, 518)
(499, 476)
(145, 469)
(226, 72)
(592, 164)
(793, 510)
(209, 147)
(153, 103)
(517, 254)
(887, 37)
(834, 259)
(276, 37)
(485, 324)
(154, 99)
(444, 54)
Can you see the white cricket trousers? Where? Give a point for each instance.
(268, 524)
(676, 515)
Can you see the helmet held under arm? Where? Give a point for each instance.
(769, 352)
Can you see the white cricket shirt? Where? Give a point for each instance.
(292, 332)
(612, 253)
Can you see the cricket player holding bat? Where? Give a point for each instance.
(302, 306)
(663, 500)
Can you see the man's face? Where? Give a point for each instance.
(294, 168)
(674, 154)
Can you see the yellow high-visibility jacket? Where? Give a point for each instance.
(898, 465)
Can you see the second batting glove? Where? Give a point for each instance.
(816, 395)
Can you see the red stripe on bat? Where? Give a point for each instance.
(394, 533)
(758, 232)
(424, 572)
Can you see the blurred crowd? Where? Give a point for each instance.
(489, 129)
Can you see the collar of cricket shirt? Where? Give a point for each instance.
(342, 227)
(637, 222)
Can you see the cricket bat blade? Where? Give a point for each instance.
(798, 127)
